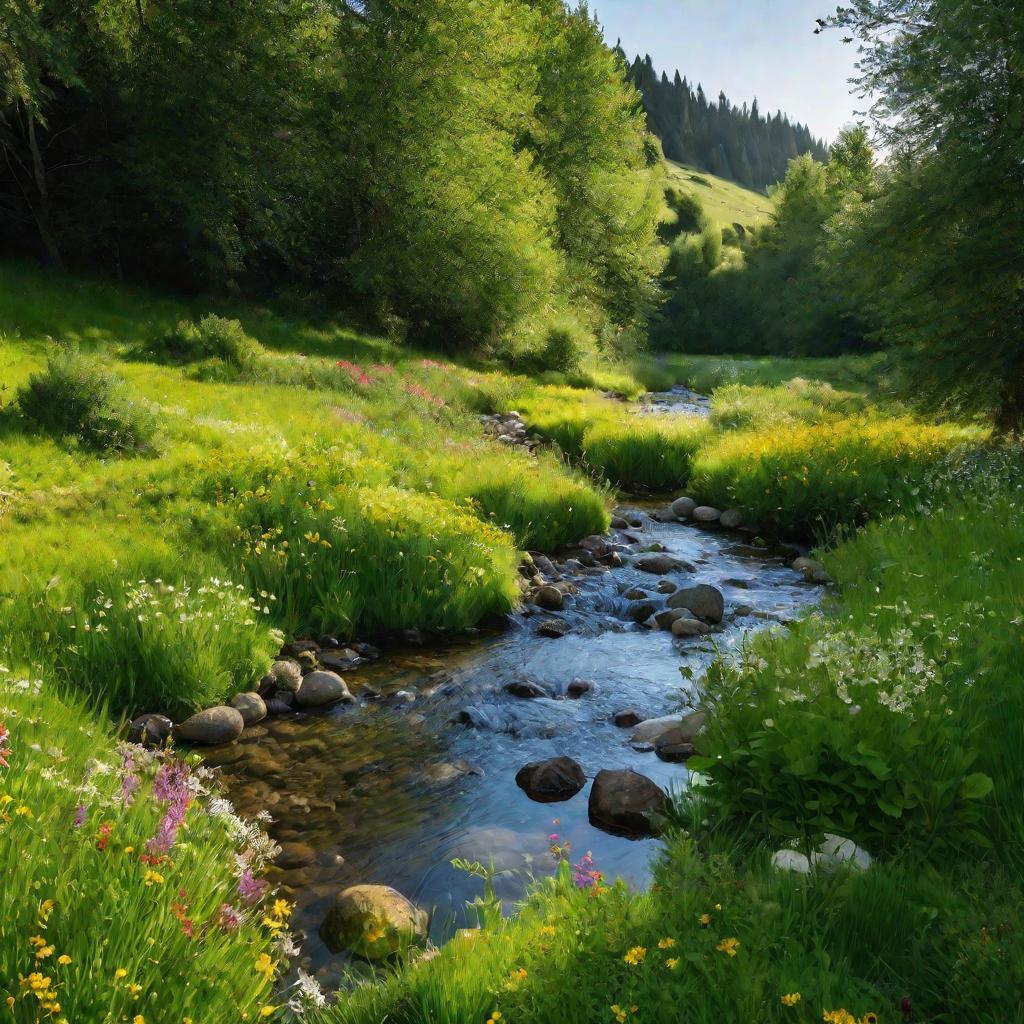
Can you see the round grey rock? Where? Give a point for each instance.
(704, 601)
(549, 598)
(683, 627)
(683, 507)
(623, 802)
(551, 781)
(731, 518)
(211, 727)
(251, 707)
(706, 514)
(319, 689)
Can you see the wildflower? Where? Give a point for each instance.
(138, 1019)
(63, 959)
(790, 999)
(267, 1011)
(705, 920)
(5, 750)
(666, 943)
(250, 888)
(838, 1017)
(79, 816)
(635, 956)
(265, 966)
(23, 812)
(103, 835)
(718, 906)
(494, 1017)
(307, 994)
(134, 990)
(228, 918)
(728, 946)
(548, 929)
(521, 973)
(672, 963)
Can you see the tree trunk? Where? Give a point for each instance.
(1010, 417)
(42, 208)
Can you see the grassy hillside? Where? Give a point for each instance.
(725, 202)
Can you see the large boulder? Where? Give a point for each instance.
(670, 729)
(683, 507)
(319, 689)
(706, 602)
(623, 802)
(373, 921)
(251, 707)
(211, 727)
(551, 781)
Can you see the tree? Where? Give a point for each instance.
(938, 250)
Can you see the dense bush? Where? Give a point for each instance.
(213, 337)
(564, 346)
(76, 397)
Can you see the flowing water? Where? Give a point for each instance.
(393, 788)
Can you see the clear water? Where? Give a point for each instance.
(380, 792)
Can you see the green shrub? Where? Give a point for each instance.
(711, 246)
(76, 397)
(644, 451)
(564, 347)
(214, 337)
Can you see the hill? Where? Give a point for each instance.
(724, 201)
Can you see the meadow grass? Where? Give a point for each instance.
(107, 916)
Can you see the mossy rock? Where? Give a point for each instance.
(374, 922)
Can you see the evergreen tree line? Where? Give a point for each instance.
(738, 143)
(469, 171)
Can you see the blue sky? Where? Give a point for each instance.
(762, 48)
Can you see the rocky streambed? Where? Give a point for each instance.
(418, 763)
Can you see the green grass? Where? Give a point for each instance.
(108, 935)
(725, 202)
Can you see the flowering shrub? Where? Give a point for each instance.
(154, 645)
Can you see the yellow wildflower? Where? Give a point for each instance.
(63, 959)
(153, 878)
(138, 1019)
(120, 973)
(718, 906)
(281, 909)
(705, 920)
(267, 1011)
(635, 956)
(265, 966)
(134, 990)
(23, 812)
(666, 943)
(728, 946)
(790, 999)
(548, 929)
(672, 963)
(838, 1017)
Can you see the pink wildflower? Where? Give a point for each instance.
(130, 782)
(171, 786)
(583, 874)
(383, 369)
(79, 815)
(5, 750)
(356, 372)
(251, 888)
(229, 918)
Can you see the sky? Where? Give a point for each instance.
(748, 48)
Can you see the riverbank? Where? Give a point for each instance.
(345, 487)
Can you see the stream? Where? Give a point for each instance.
(391, 789)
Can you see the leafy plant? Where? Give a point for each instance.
(77, 397)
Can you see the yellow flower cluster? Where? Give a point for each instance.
(728, 946)
(845, 1017)
(44, 990)
(494, 1017)
(277, 916)
(620, 1014)
(790, 999)
(635, 956)
(265, 966)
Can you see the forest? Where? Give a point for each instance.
(488, 535)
